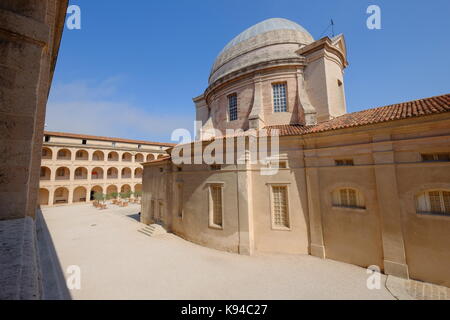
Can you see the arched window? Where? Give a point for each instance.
(433, 202)
(348, 198)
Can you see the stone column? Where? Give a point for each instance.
(317, 247)
(256, 117)
(245, 208)
(390, 208)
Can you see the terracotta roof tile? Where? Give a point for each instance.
(411, 109)
(89, 137)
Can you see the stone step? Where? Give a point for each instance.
(153, 230)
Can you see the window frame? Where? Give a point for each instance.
(359, 199)
(235, 107)
(274, 109)
(286, 185)
(427, 200)
(211, 223)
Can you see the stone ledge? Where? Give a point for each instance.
(18, 261)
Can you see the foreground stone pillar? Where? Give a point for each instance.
(30, 33)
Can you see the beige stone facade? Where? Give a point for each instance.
(366, 188)
(74, 166)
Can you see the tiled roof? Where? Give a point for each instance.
(88, 137)
(405, 110)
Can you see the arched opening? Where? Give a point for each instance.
(150, 157)
(113, 156)
(82, 155)
(112, 173)
(94, 190)
(138, 188)
(81, 173)
(45, 174)
(139, 157)
(43, 196)
(126, 173)
(138, 173)
(47, 154)
(125, 188)
(64, 154)
(97, 173)
(127, 157)
(111, 191)
(98, 156)
(79, 194)
(161, 156)
(61, 196)
(62, 173)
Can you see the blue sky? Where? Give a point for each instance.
(134, 67)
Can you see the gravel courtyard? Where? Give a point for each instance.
(118, 262)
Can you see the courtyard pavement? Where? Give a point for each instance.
(118, 262)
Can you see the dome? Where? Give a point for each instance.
(284, 34)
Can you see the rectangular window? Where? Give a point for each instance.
(47, 138)
(215, 206)
(280, 213)
(344, 162)
(435, 157)
(232, 107)
(84, 141)
(279, 97)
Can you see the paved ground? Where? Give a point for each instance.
(117, 262)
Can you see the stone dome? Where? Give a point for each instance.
(271, 39)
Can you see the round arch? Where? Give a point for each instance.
(62, 173)
(79, 194)
(45, 173)
(113, 156)
(160, 156)
(64, 154)
(95, 189)
(111, 189)
(138, 173)
(98, 156)
(61, 195)
(47, 153)
(125, 173)
(97, 173)
(81, 155)
(138, 187)
(112, 173)
(127, 157)
(138, 157)
(44, 195)
(150, 157)
(81, 173)
(125, 188)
